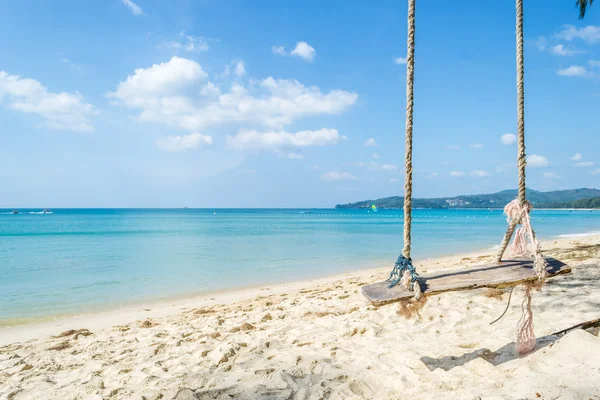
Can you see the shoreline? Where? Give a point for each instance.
(321, 338)
(161, 308)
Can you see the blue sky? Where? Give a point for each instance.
(147, 103)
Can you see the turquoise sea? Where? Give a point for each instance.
(83, 260)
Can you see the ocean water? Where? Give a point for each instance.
(84, 260)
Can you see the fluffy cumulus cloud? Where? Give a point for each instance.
(338, 176)
(584, 164)
(536, 161)
(134, 8)
(60, 111)
(157, 87)
(305, 51)
(574, 71)
(370, 142)
(400, 60)
(561, 50)
(479, 173)
(187, 142)
(177, 93)
(302, 50)
(589, 34)
(551, 176)
(595, 172)
(457, 174)
(253, 140)
(508, 138)
(577, 157)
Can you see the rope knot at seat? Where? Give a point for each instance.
(406, 274)
(518, 212)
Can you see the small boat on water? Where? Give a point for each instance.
(15, 212)
(46, 211)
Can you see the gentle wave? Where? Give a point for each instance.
(578, 234)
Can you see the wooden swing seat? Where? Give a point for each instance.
(492, 275)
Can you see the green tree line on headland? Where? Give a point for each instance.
(574, 198)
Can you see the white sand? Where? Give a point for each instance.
(320, 340)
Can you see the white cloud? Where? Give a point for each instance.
(574, 70)
(253, 140)
(163, 93)
(338, 176)
(188, 43)
(577, 157)
(400, 60)
(165, 79)
(370, 142)
(279, 50)
(135, 9)
(551, 176)
(479, 173)
(508, 138)
(584, 164)
(61, 111)
(187, 142)
(476, 146)
(595, 172)
(590, 33)
(375, 156)
(453, 147)
(535, 161)
(240, 69)
(432, 175)
(561, 50)
(457, 174)
(389, 167)
(304, 51)
(210, 89)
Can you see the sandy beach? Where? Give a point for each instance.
(321, 339)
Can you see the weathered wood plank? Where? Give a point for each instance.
(584, 325)
(492, 275)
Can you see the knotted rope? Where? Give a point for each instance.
(519, 213)
(404, 272)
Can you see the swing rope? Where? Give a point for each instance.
(404, 272)
(517, 211)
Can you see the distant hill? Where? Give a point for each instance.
(574, 198)
(594, 202)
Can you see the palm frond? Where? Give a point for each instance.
(583, 5)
